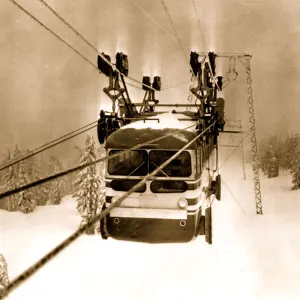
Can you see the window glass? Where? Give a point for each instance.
(168, 186)
(133, 163)
(178, 167)
(125, 185)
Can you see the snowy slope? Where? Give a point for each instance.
(253, 257)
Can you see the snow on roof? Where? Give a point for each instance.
(166, 120)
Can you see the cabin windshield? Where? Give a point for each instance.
(178, 167)
(133, 163)
(140, 163)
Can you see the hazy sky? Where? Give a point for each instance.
(48, 90)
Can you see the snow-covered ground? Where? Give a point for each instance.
(252, 256)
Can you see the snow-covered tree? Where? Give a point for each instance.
(4, 279)
(34, 174)
(271, 167)
(270, 156)
(288, 152)
(88, 186)
(43, 194)
(27, 198)
(11, 180)
(55, 186)
(295, 167)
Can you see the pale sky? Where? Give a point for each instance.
(48, 90)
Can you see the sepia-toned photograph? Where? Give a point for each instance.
(150, 149)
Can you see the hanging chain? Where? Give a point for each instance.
(255, 166)
(190, 97)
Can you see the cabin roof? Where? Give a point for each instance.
(130, 137)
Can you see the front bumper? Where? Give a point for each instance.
(172, 228)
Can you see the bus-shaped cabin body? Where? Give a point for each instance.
(168, 207)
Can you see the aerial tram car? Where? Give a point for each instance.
(174, 206)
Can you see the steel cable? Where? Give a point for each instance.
(51, 144)
(53, 253)
(78, 34)
(80, 167)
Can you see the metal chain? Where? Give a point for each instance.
(175, 32)
(190, 97)
(200, 25)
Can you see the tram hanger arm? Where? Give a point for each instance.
(233, 131)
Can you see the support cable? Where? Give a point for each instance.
(154, 21)
(90, 45)
(170, 86)
(231, 193)
(51, 144)
(176, 37)
(78, 168)
(79, 35)
(59, 248)
(236, 147)
(204, 42)
(200, 25)
(176, 32)
(52, 32)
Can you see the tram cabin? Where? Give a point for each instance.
(168, 207)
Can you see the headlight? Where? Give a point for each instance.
(182, 203)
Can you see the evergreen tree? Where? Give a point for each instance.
(88, 183)
(288, 152)
(43, 193)
(295, 166)
(4, 280)
(272, 162)
(11, 181)
(270, 156)
(27, 198)
(34, 174)
(55, 186)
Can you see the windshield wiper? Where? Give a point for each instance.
(160, 170)
(136, 169)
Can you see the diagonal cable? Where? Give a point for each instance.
(175, 30)
(234, 149)
(51, 144)
(78, 168)
(70, 46)
(52, 32)
(200, 25)
(89, 44)
(176, 37)
(203, 38)
(59, 248)
(234, 197)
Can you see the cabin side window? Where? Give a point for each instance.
(199, 160)
(133, 163)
